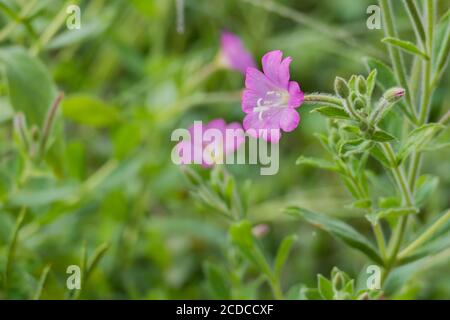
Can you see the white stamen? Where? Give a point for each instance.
(263, 104)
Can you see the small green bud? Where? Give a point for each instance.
(362, 87)
(352, 82)
(359, 104)
(341, 88)
(338, 281)
(394, 94)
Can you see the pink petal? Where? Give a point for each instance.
(296, 95)
(257, 85)
(289, 119)
(218, 123)
(233, 142)
(235, 53)
(266, 127)
(276, 69)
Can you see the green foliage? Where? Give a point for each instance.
(86, 178)
(339, 287)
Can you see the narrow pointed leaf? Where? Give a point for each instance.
(406, 46)
(283, 253)
(339, 229)
(332, 112)
(382, 136)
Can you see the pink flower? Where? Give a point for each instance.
(270, 99)
(233, 53)
(210, 144)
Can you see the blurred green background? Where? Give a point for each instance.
(123, 74)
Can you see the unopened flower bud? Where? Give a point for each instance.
(338, 281)
(260, 230)
(394, 94)
(359, 104)
(352, 82)
(341, 88)
(362, 87)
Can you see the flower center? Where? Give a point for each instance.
(272, 99)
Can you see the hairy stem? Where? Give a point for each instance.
(395, 54)
(427, 92)
(416, 20)
(407, 198)
(323, 98)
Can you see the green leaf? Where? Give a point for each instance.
(126, 139)
(41, 283)
(283, 253)
(355, 146)
(332, 112)
(396, 212)
(361, 204)
(88, 110)
(388, 202)
(339, 229)
(378, 154)
(301, 292)
(11, 253)
(406, 46)
(217, 281)
(31, 88)
(241, 236)
(317, 163)
(350, 288)
(382, 136)
(371, 79)
(96, 257)
(385, 76)
(425, 187)
(71, 37)
(418, 139)
(325, 287)
(351, 129)
(36, 194)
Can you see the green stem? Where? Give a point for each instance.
(276, 288)
(48, 124)
(323, 98)
(379, 236)
(395, 54)
(416, 20)
(427, 89)
(407, 198)
(442, 58)
(52, 28)
(12, 247)
(18, 19)
(425, 236)
(399, 175)
(203, 74)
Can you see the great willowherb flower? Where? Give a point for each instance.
(233, 54)
(270, 98)
(209, 144)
